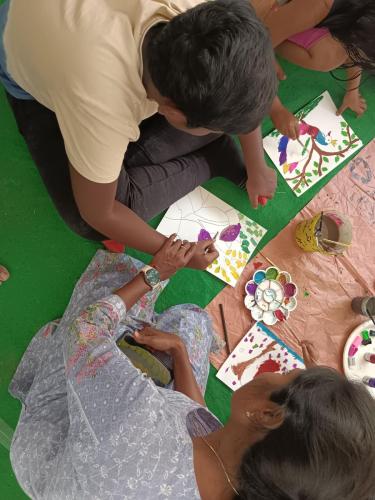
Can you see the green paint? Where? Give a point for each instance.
(272, 273)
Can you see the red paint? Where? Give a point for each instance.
(113, 246)
(370, 357)
(257, 265)
(262, 200)
(279, 315)
(270, 365)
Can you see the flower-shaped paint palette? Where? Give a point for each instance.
(271, 295)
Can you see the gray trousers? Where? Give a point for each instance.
(158, 169)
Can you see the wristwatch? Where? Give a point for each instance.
(151, 276)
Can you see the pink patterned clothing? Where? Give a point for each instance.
(307, 39)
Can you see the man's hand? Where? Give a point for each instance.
(159, 341)
(285, 122)
(204, 254)
(172, 256)
(261, 183)
(354, 101)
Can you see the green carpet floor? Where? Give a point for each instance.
(45, 258)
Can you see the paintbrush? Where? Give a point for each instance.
(326, 240)
(224, 328)
(213, 241)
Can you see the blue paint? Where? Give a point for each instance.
(259, 276)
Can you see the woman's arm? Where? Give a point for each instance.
(294, 17)
(184, 379)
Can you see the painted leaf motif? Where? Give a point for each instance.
(204, 235)
(230, 233)
(234, 273)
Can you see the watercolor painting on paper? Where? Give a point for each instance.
(325, 141)
(201, 215)
(259, 351)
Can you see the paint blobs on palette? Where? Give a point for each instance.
(267, 353)
(270, 295)
(366, 339)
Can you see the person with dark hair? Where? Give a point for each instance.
(93, 426)
(126, 106)
(322, 35)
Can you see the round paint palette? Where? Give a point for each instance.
(270, 295)
(361, 368)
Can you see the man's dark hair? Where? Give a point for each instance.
(325, 448)
(216, 63)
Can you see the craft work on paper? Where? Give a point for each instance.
(325, 141)
(201, 215)
(259, 351)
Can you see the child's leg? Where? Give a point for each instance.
(324, 55)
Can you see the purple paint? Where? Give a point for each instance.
(230, 233)
(204, 235)
(251, 288)
(234, 382)
(369, 381)
(250, 351)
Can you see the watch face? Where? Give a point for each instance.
(152, 277)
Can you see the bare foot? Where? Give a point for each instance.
(4, 274)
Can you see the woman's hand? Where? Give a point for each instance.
(309, 354)
(172, 256)
(159, 341)
(184, 379)
(204, 254)
(354, 101)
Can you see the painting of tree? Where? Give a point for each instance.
(325, 141)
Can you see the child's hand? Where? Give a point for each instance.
(261, 183)
(354, 101)
(285, 122)
(309, 354)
